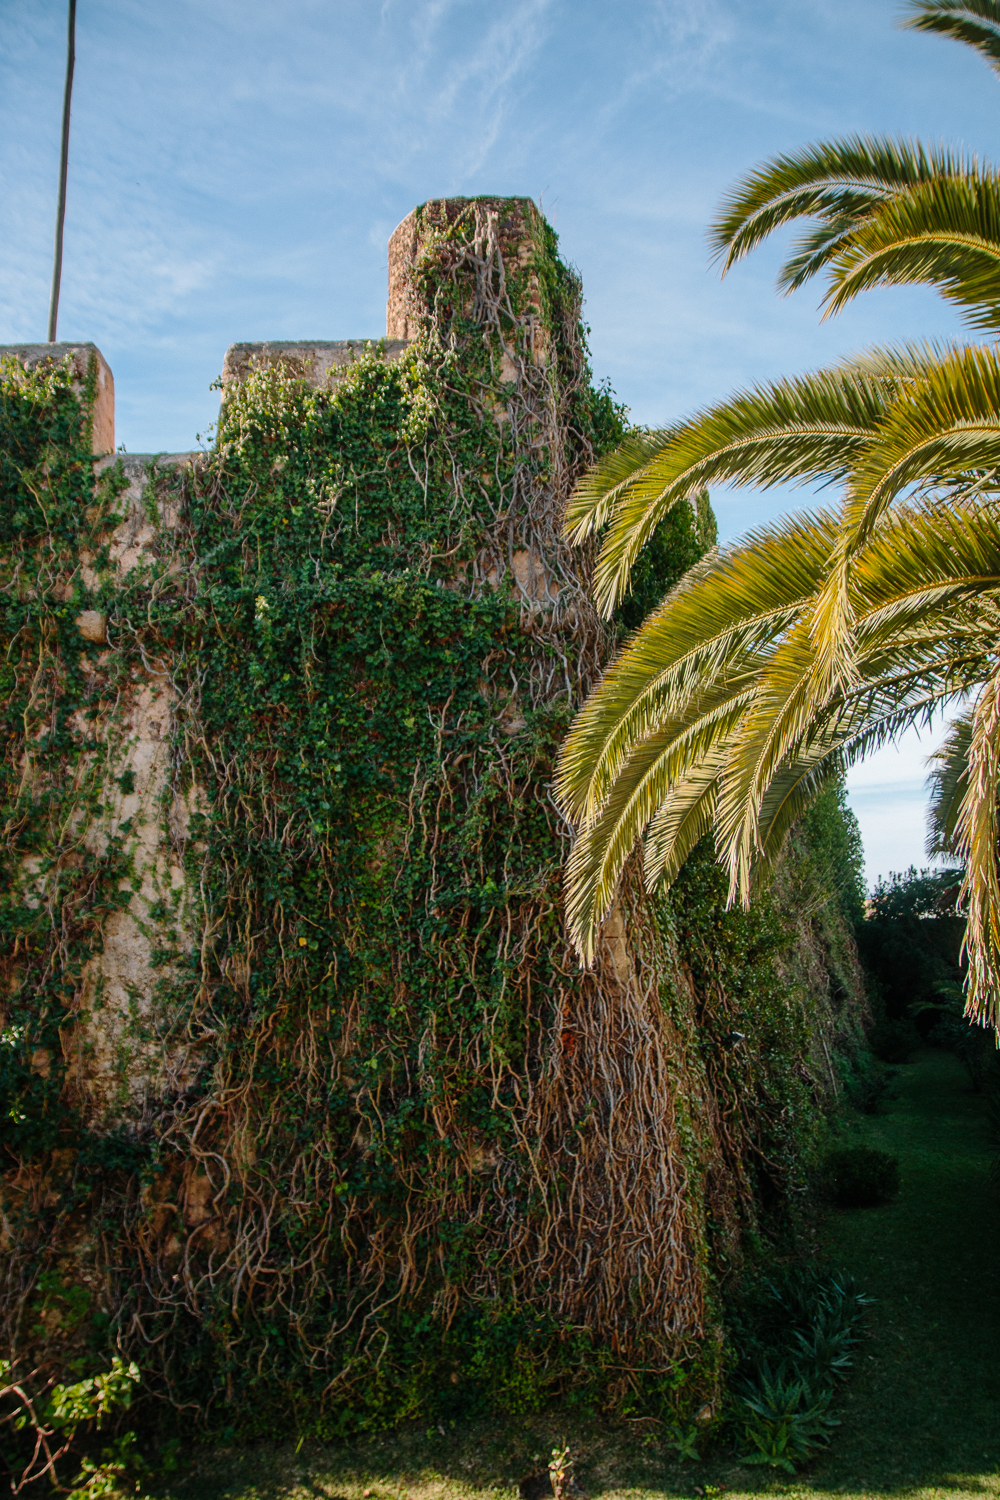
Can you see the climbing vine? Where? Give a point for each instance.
(371, 1145)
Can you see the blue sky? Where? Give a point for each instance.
(237, 167)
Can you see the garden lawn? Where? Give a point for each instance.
(921, 1413)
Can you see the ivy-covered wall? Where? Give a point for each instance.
(305, 1104)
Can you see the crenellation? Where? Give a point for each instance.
(35, 356)
(316, 361)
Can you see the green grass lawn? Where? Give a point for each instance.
(921, 1414)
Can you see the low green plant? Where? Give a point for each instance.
(807, 1299)
(784, 1420)
(825, 1354)
(860, 1176)
(795, 1340)
(683, 1440)
(561, 1471)
(47, 1416)
(120, 1461)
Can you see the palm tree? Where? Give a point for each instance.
(777, 662)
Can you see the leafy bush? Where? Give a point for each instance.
(894, 1041)
(46, 1418)
(861, 1177)
(824, 1354)
(870, 1088)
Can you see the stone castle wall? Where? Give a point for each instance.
(342, 1107)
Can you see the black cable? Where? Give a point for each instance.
(63, 167)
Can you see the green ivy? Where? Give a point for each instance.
(370, 969)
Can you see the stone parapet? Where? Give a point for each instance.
(313, 360)
(33, 356)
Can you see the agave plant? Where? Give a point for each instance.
(784, 1421)
(794, 1348)
(777, 662)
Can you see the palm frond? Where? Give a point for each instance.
(838, 183)
(810, 428)
(791, 793)
(722, 678)
(975, 22)
(783, 710)
(949, 784)
(900, 364)
(680, 773)
(942, 430)
(750, 741)
(789, 740)
(685, 815)
(726, 609)
(873, 717)
(923, 562)
(977, 827)
(944, 427)
(944, 233)
(659, 769)
(596, 494)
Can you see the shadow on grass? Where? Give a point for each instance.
(920, 1417)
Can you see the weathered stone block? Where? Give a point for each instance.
(31, 356)
(508, 233)
(93, 626)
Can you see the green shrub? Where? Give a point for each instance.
(894, 1041)
(49, 1420)
(860, 1177)
(870, 1090)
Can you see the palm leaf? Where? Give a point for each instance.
(810, 428)
(728, 607)
(838, 183)
(944, 233)
(944, 427)
(907, 588)
(949, 783)
(746, 740)
(976, 842)
(976, 22)
(660, 768)
(594, 498)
